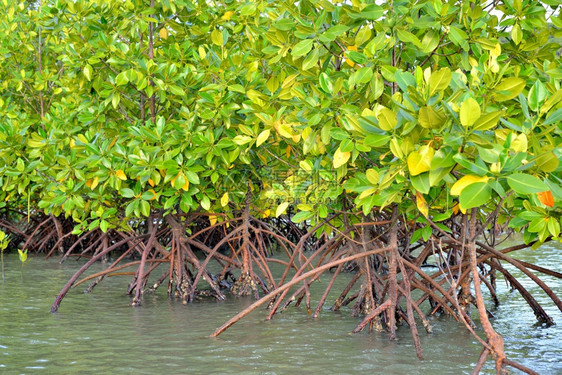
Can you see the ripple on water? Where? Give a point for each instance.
(85, 334)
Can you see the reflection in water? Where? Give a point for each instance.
(100, 333)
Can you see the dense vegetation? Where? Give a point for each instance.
(351, 136)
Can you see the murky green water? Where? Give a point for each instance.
(99, 333)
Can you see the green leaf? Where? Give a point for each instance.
(311, 60)
(376, 140)
(475, 195)
(192, 177)
(438, 175)
(408, 37)
(537, 95)
(363, 75)
(554, 117)
(302, 216)
(121, 79)
(439, 80)
(516, 34)
(525, 183)
(459, 37)
(430, 41)
(429, 118)
(148, 195)
(325, 83)
(443, 158)
(302, 48)
(216, 37)
(364, 35)
(404, 80)
(553, 227)
(357, 57)
(127, 193)
(508, 89)
(333, 32)
(387, 119)
(470, 112)
(205, 203)
(88, 72)
(547, 162)
(145, 208)
(488, 121)
(421, 182)
(372, 12)
(104, 225)
(537, 225)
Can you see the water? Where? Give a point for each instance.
(100, 333)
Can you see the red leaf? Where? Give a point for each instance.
(546, 198)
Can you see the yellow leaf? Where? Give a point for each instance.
(372, 175)
(470, 112)
(420, 161)
(469, 179)
(306, 165)
(82, 138)
(72, 143)
(185, 186)
(340, 158)
(94, 183)
(23, 255)
(216, 37)
(88, 72)
(262, 137)
(439, 80)
(457, 207)
(224, 199)
(395, 148)
(496, 51)
(227, 15)
(202, 53)
(281, 209)
(348, 61)
(285, 131)
(519, 143)
(421, 204)
(213, 219)
(387, 119)
(153, 192)
(151, 182)
(121, 175)
(163, 33)
(368, 192)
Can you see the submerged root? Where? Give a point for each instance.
(245, 286)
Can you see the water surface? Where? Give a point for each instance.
(100, 333)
